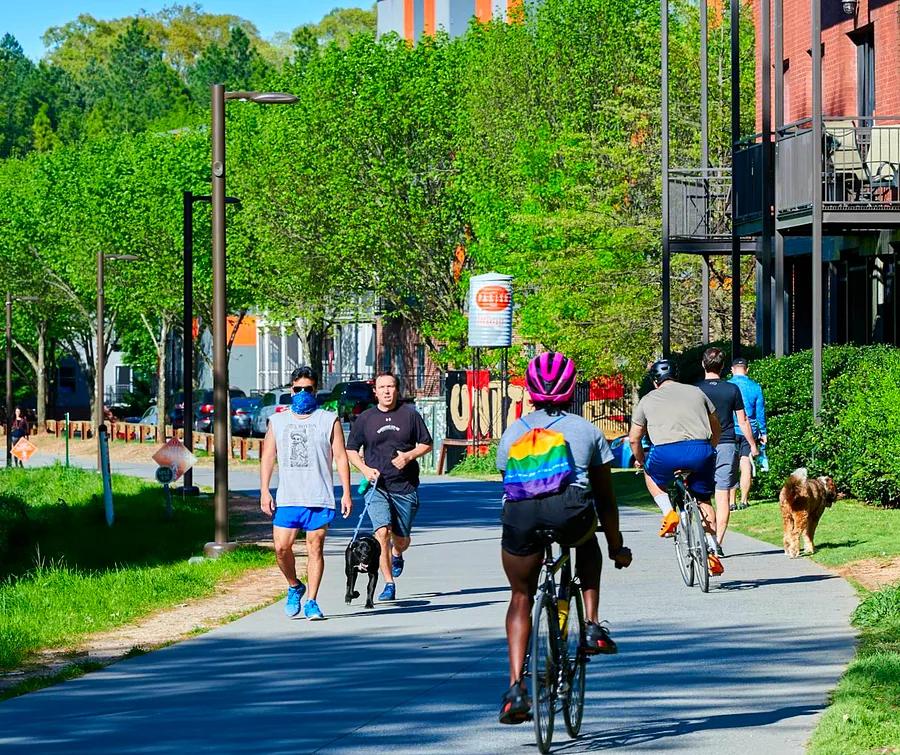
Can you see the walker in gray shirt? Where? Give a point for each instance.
(303, 444)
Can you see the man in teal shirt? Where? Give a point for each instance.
(755, 406)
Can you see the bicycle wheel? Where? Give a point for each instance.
(573, 705)
(544, 670)
(701, 563)
(683, 549)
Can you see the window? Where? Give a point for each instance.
(865, 71)
(123, 376)
(420, 366)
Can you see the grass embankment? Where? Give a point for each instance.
(864, 715)
(64, 574)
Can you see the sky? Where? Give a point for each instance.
(27, 21)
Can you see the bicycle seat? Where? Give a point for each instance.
(547, 536)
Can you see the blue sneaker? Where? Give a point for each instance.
(396, 565)
(389, 592)
(292, 604)
(312, 611)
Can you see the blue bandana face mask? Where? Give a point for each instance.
(304, 403)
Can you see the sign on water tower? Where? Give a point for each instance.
(490, 310)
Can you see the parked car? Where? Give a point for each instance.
(349, 400)
(278, 400)
(203, 408)
(176, 412)
(149, 417)
(242, 412)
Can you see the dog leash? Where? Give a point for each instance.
(368, 493)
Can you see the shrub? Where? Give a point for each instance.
(484, 463)
(858, 439)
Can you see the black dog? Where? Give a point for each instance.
(363, 556)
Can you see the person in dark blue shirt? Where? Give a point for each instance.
(729, 403)
(755, 406)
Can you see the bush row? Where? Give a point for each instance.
(857, 441)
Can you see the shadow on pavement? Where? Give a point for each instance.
(358, 692)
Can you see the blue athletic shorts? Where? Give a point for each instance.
(394, 510)
(304, 518)
(698, 456)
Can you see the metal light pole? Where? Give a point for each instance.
(220, 306)
(816, 177)
(100, 357)
(187, 379)
(9, 395)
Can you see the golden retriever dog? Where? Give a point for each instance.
(803, 500)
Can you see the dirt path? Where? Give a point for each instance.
(872, 573)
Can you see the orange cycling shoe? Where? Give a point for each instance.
(715, 565)
(669, 523)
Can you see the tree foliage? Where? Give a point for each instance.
(526, 148)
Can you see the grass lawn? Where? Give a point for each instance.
(65, 574)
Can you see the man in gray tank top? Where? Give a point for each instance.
(305, 442)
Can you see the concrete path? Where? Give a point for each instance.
(743, 669)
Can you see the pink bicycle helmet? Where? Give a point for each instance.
(550, 378)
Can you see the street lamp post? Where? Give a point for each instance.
(9, 395)
(100, 357)
(220, 306)
(187, 379)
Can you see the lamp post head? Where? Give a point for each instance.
(264, 98)
(121, 256)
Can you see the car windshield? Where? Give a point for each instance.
(285, 398)
(244, 403)
(359, 392)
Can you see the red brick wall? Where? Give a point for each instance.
(396, 337)
(839, 95)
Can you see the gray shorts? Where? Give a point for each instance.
(727, 465)
(394, 510)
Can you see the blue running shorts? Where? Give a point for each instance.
(304, 518)
(394, 510)
(698, 456)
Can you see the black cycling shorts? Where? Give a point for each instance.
(570, 514)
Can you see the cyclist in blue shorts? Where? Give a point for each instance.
(681, 423)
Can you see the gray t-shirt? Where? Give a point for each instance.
(304, 458)
(675, 412)
(588, 446)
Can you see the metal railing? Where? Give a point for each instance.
(700, 203)
(861, 163)
(748, 179)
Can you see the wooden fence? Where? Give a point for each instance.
(134, 432)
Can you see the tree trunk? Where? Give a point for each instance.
(41, 374)
(161, 354)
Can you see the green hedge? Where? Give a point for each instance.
(858, 440)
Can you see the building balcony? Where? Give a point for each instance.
(860, 175)
(700, 211)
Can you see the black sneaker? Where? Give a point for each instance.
(733, 507)
(515, 707)
(719, 552)
(597, 640)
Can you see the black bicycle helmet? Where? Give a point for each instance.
(661, 370)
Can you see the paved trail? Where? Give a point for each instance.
(743, 669)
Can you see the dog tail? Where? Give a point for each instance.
(794, 487)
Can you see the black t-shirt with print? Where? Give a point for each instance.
(381, 435)
(727, 399)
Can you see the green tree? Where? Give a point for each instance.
(45, 137)
(236, 64)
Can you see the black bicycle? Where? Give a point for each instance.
(691, 547)
(555, 663)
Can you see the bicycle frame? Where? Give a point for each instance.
(559, 600)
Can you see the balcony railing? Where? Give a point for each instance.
(860, 165)
(700, 203)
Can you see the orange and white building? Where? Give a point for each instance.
(411, 19)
